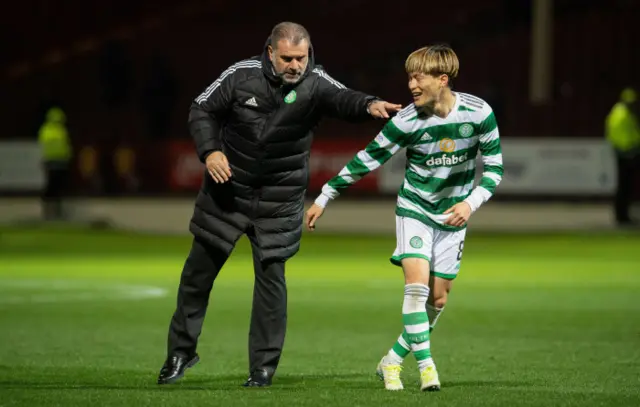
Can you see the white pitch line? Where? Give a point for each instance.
(74, 291)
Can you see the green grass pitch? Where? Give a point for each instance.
(533, 320)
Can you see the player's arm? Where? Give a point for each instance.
(207, 113)
(492, 161)
(339, 101)
(491, 176)
(388, 142)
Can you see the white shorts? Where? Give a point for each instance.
(443, 249)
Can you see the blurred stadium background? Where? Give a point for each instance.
(546, 310)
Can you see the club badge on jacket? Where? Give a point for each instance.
(291, 97)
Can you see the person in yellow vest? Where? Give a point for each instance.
(53, 138)
(623, 133)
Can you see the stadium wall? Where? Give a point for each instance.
(171, 216)
(534, 168)
(549, 184)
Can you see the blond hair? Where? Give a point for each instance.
(433, 60)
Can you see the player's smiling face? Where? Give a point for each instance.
(426, 89)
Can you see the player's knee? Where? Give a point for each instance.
(441, 301)
(438, 298)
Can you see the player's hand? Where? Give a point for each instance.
(313, 214)
(460, 214)
(218, 167)
(381, 109)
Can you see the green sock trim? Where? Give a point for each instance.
(400, 350)
(422, 354)
(415, 318)
(419, 337)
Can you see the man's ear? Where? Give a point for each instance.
(270, 50)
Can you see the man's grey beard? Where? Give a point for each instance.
(284, 79)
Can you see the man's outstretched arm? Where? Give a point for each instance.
(341, 102)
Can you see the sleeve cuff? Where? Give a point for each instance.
(206, 148)
(322, 200)
(370, 100)
(473, 205)
(477, 197)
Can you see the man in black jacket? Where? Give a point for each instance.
(253, 129)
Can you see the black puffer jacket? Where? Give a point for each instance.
(265, 130)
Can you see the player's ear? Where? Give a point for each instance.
(444, 80)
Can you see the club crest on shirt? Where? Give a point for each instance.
(466, 130)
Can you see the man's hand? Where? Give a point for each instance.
(460, 214)
(381, 109)
(313, 214)
(218, 167)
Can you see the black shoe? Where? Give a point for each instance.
(258, 378)
(174, 367)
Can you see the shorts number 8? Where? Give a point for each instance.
(460, 247)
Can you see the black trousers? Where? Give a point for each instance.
(55, 189)
(269, 309)
(626, 167)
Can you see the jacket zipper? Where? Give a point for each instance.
(257, 195)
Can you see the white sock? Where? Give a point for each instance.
(393, 358)
(416, 322)
(422, 363)
(398, 352)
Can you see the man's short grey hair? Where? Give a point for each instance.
(293, 32)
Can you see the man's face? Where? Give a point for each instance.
(290, 61)
(426, 89)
